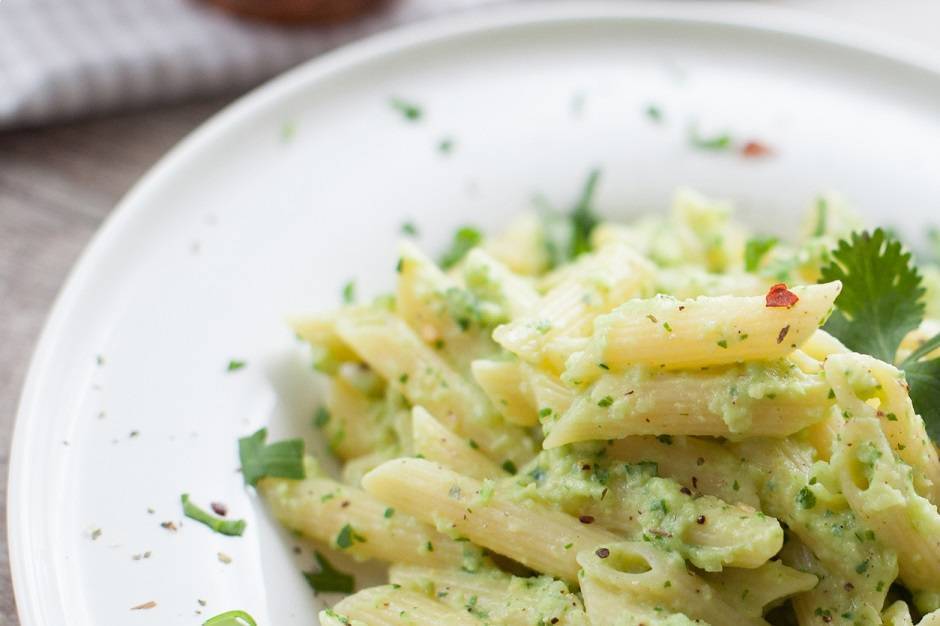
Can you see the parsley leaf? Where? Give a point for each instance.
(882, 296)
(409, 110)
(466, 238)
(880, 303)
(232, 528)
(329, 578)
(755, 249)
(567, 237)
(349, 292)
(234, 365)
(282, 459)
(924, 380)
(231, 618)
(717, 142)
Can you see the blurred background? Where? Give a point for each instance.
(93, 92)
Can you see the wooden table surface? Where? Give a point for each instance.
(57, 184)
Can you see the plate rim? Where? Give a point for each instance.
(33, 601)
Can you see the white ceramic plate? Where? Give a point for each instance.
(247, 221)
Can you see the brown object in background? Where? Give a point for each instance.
(298, 11)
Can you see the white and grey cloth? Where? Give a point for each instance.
(62, 59)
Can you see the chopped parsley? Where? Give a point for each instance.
(466, 238)
(347, 537)
(328, 578)
(231, 618)
(409, 110)
(409, 229)
(881, 302)
(446, 145)
(567, 236)
(349, 292)
(755, 250)
(806, 498)
(282, 459)
(654, 113)
(605, 401)
(716, 143)
(322, 417)
(509, 466)
(234, 365)
(389, 512)
(232, 528)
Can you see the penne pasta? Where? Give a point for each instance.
(508, 389)
(762, 399)
(433, 441)
(594, 284)
(880, 490)
(538, 537)
(351, 520)
(391, 348)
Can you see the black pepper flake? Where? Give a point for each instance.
(700, 519)
(783, 333)
(686, 491)
(700, 461)
(219, 509)
(695, 482)
(586, 519)
(849, 586)
(554, 620)
(827, 618)
(602, 553)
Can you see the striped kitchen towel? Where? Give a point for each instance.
(61, 59)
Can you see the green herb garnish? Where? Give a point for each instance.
(466, 238)
(329, 579)
(806, 498)
(409, 110)
(880, 303)
(349, 292)
(654, 113)
(234, 365)
(232, 528)
(755, 249)
(567, 236)
(715, 143)
(231, 618)
(282, 459)
(347, 536)
(409, 229)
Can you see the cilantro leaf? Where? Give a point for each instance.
(282, 459)
(329, 578)
(409, 110)
(755, 249)
(466, 238)
(567, 237)
(923, 377)
(716, 143)
(231, 618)
(232, 528)
(881, 299)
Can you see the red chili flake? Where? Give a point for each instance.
(219, 508)
(586, 519)
(755, 150)
(603, 553)
(783, 333)
(780, 296)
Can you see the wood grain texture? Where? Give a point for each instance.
(56, 186)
